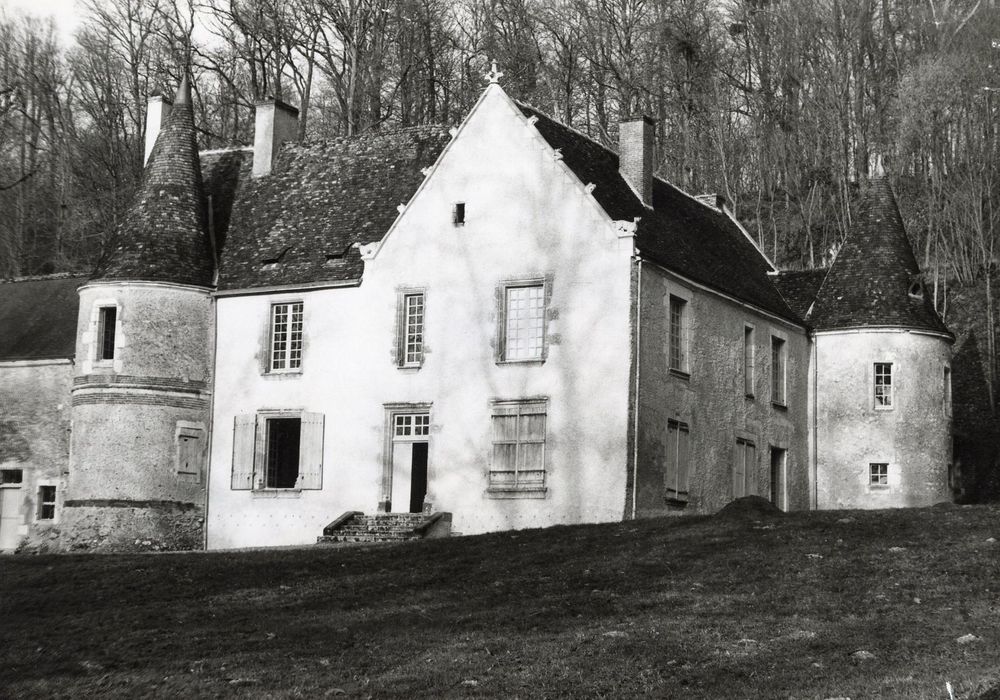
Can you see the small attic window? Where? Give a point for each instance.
(916, 290)
(272, 263)
(458, 214)
(337, 256)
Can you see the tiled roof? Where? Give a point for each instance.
(38, 317)
(799, 288)
(163, 236)
(681, 234)
(221, 173)
(298, 224)
(869, 282)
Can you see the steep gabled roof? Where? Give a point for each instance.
(870, 280)
(163, 235)
(38, 317)
(300, 223)
(799, 288)
(680, 233)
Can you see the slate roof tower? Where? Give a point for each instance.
(882, 369)
(140, 399)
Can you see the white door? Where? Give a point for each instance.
(10, 516)
(402, 476)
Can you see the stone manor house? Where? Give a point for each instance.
(505, 322)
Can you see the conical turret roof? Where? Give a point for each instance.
(163, 236)
(875, 280)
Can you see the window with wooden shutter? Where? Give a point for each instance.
(744, 468)
(518, 445)
(244, 451)
(311, 452)
(676, 477)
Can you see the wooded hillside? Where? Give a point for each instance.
(780, 104)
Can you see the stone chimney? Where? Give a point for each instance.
(275, 122)
(635, 156)
(157, 110)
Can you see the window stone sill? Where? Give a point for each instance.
(277, 493)
(280, 375)
(502, 492)
(521, 362)
(680, 374)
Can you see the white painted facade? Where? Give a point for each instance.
(527, 219)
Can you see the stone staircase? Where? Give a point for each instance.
(356, 527)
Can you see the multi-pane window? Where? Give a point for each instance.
(286, 336)
(411, 424)
(524, 322)
(878, 474)
(778, 368)
(748, 360)
(518, 444)
(744, 468)
(413, 329)
(678, 467)
(883, 385)
(678, 334)
(278, 451)
(46, 502)
(107, 319)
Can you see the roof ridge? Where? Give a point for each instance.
(576, 131)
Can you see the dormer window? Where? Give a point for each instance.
(269, 264)
(458, 214)
(916, 289)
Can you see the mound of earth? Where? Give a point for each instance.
(748, 508)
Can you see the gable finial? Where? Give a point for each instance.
(494, 75)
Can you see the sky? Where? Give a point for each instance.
(65, 12)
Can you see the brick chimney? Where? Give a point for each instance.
(157, 110)
(635, 156)
(275, 122)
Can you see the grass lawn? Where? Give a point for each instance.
(729, 606)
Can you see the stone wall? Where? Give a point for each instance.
(34, 437)
(127, 488)
(913, 436)
(710, 398)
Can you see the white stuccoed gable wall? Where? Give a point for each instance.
(526, 217)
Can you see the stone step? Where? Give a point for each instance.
(376, 527)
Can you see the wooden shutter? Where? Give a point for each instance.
(244, 431)
(739, 469)
(683, 462)
(751, 475)
(670, 473)
(311, 452)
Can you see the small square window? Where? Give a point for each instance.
(458, 214)
(46, 502)
(878, 474)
